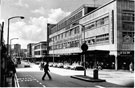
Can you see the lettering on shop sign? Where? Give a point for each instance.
(124, 52)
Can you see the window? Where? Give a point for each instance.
(44, 52)
(128, 17)
(37, 52)
(91, 26)
(43, 46)
(102, 38)
(128, 26)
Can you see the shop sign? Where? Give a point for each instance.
(124, 52)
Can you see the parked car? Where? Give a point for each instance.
(72, 67)
(55, 65)
(26, 65)
(51, 64)
(37, 62)
(79, 68)
(66, 66)
(60, 65)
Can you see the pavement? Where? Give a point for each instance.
(88, 78)
(120, 77)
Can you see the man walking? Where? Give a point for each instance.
(46, 69)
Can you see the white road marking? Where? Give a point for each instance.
(99, 86)
(43, 85)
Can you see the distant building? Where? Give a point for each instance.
(23, 53)
(17, 50)
(37, 51)
(29, 50)
(40, 49)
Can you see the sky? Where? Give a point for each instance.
(37, 14)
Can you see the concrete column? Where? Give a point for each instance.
(116, 62)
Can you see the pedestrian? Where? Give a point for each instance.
(46, 69)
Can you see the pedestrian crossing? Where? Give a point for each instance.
(29, 78)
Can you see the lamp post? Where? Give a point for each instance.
(10, 44)
(21, 17)
(84, 48)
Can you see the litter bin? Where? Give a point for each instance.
(95, 74)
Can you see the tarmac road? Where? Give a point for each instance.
(31, 77)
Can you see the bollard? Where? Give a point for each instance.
(95, 73)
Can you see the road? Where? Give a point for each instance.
(31, 77)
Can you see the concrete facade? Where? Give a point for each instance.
(107, 28)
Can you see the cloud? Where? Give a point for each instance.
(56, 15)
(39, 0)
(21, 4)
(35, 30)
(41, 11)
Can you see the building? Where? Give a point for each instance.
(17, 50)
(37, 51)
(40, 49)
(29, 50)
(107, 30)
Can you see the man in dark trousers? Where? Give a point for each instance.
(46, 69)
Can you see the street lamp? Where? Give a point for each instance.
(10, 44)
(84, 46)
(21, 17)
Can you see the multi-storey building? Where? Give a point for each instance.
(40, 49)
(17, 50)
(107, 30)
(29, 50)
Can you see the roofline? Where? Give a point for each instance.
(103, 6)
(75, 12)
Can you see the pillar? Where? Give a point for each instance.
(116, 62)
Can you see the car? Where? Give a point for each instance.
(72, 67)
(26, 65)
(79, 68)
(51, 64)
(55, 65)
(66, 66)
(60, 65)
(37, 62)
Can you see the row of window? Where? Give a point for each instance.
(92, 40)
(128, 16)
(68, 33)
(65, 45)
(98, 23)
(71, 32)
(43, 46)
(66, 22)
(128, 26)
(37, 47)
(128, 20)
(43, 52)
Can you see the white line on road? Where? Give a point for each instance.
(43, 85)
(100, 87)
